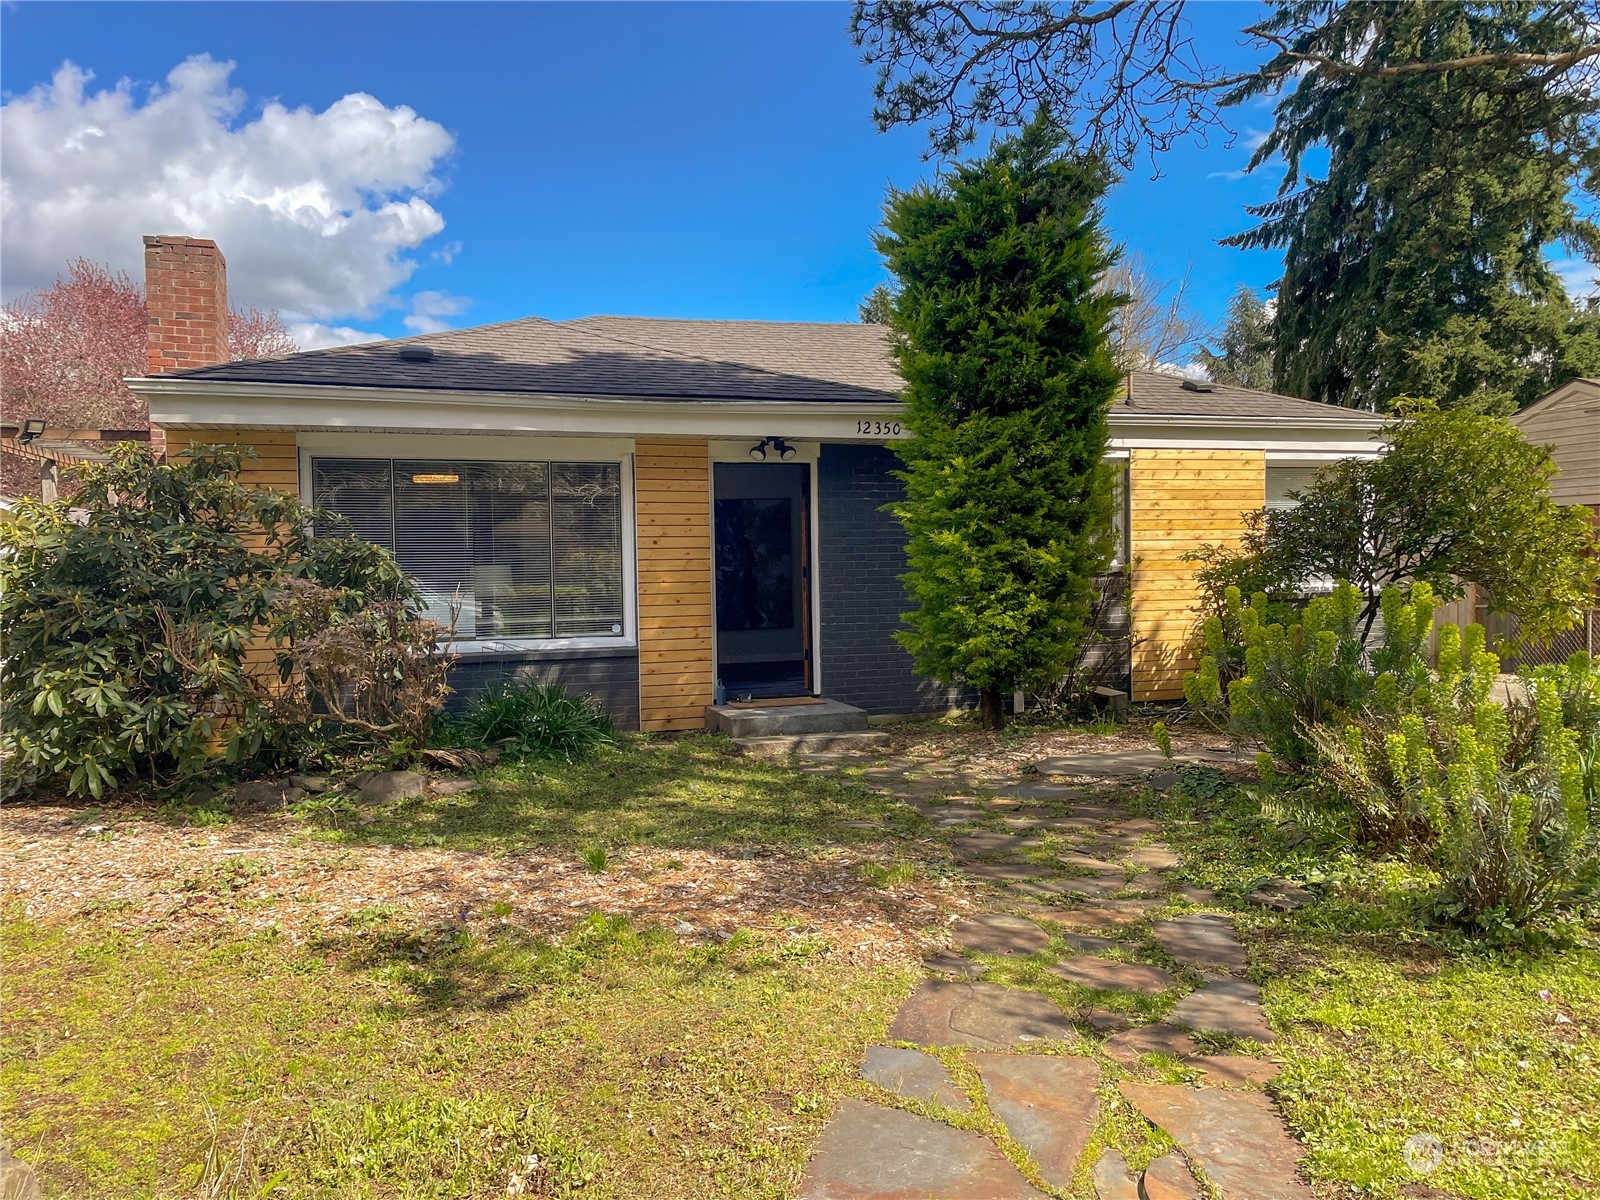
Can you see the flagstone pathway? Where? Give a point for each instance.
(993, 1090)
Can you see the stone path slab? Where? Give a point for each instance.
(999, 933)
(1112, 1179)
(1100, 919)
(1112, 762)
(1237, 1138)
(948, 962)
(982, 845)
(1006, 872)
(915, 1075)
(984, 1016)
(1095, 887)
(1150, 1039)
(1225, 1005)
(1090, 943)
(1047, 1103)
(1156, 858)
(1108, 974)
(1042, 791)
(1202, 940)
(1236, 1070)
(867, 1152)
(1169, 1178)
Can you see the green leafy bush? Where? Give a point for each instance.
(534, 720)
(1499, 798)
(128, 613)
(1502, 796)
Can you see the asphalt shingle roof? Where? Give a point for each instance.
(663, 359)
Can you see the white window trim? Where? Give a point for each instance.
(503, 448)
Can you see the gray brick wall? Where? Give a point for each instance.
(862, 552)
(610, 676)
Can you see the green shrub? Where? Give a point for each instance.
(1502, 797)
(126, 614)
(1499, 798)
(534, 720)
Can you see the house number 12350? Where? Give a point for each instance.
(879, 428)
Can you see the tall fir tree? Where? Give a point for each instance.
(1418, 265)
(1243, 354)
(1003, 342)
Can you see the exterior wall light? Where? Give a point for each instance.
(772, 447)
(31, 428)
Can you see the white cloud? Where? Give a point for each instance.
(429, 310)
(1579, 276)
(317, 212)
(313, 335)
(1189, 370)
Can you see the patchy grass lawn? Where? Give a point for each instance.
(227, 1003)
(1398, 1031)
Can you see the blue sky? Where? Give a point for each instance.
(388, 168)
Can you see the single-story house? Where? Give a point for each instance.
(656, 511)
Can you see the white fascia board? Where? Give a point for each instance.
(202, 404)
(183, 404)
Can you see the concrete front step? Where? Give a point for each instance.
(812, 743)
(783, 720)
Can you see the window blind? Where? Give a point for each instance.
(512, 550)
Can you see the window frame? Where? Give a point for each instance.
(512, 449)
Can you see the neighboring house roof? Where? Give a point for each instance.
(664, 359)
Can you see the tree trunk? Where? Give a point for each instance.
(991, 709)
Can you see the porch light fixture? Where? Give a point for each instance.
(779, 448)
(435, 477)
(31, 428)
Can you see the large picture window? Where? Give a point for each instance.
(519, 550)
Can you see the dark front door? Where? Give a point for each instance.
(763, 625)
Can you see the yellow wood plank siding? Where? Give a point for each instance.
(277, 462)
(1177, 500)
(672, 503)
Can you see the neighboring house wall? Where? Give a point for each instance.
(1569, 423)
(862, 556)
(1178, 500)
(672, 499)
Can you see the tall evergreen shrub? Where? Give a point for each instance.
(1003, 343)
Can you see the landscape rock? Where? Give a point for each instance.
(1169, 1178)
(1202, 940)
(1108, 974)
(385, 787)
(266, 792)
(17, 1179)
(999, 933)
(1112, 1180)
(1280, 895)
(454, 787)
(984, 1016)
(1224, 1005)
(915, 1075)
(315, 784)
(867, 1152)
(1047, 1103)
(1236, 1138)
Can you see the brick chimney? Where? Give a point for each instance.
(186, 299)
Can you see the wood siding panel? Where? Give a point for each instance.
(1570, 426)
(1178, 500)
(672, 506)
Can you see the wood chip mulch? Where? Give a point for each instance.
(155, 879)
